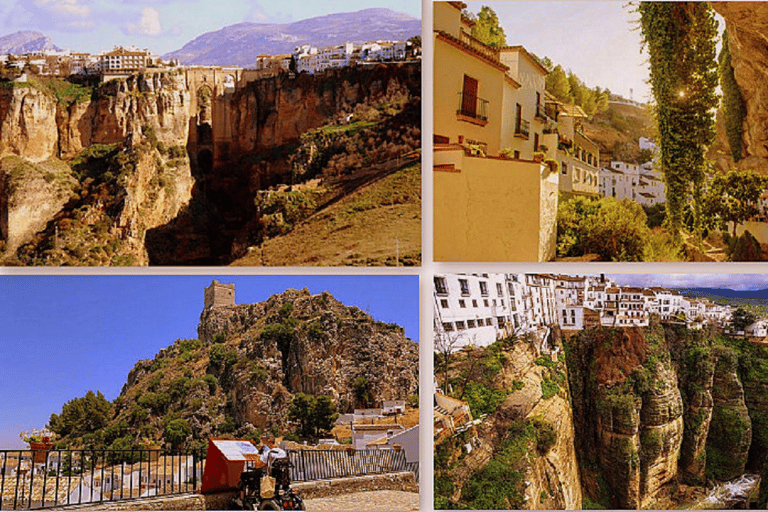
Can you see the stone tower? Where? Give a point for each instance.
(219, 295)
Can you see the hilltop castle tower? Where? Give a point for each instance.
(219, 295)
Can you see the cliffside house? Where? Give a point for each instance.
(492, 201)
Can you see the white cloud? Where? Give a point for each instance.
(149, 24)
(257, 13)
(68, 8)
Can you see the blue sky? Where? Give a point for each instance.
(162, 25)
(65, 335)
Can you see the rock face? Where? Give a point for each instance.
(549, 478)
(276, 111)
(331, 346)
(730, 432)
(36, 128)
(747, 25)
(27, 124)
(629, 412)
(252, 359)
(30, 195)
(696, 381)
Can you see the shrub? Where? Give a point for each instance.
(615, 230)
(744, 248)
(546, 435)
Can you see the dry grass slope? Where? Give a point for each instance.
(368, 227)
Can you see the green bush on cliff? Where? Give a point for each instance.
(549, 388)
(546, 435)
(482, 399)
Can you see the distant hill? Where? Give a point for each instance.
(726, 293)
(26, 41)
(240, 44)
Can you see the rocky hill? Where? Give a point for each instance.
(632, 418)
(240, 44)
(250, 360)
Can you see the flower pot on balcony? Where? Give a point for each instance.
(40, 451)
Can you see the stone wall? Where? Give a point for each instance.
(403, 481)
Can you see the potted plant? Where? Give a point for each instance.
(539, 156)
(152, 446)
(39, 442)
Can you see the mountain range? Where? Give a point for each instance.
(240, 44)
(728, 293)
(26, 41)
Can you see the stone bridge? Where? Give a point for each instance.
(210, 127)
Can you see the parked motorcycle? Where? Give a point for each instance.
(250, 497)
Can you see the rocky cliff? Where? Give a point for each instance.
(523, 454)
(629, 413)
(662, 405)
(747, 25)
(242, 145)
(120, 181)
(250, 360)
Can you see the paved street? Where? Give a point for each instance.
(374, 500)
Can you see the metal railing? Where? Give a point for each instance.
(310, 465)
(56, 478)
(474, 107)
(522, 128)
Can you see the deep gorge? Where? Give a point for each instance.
(205, 144)
(643, 418)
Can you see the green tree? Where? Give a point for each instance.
(81, 416)
(741, 318)
(314, 413)
(324, 414)
(176, 432)
(615, 230)
(301, 410)
(644, 155)
(361, 387)
(733, 106)
(680, 40)
(733, 197)
(557, 84)
(487, 28)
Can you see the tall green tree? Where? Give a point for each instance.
(487, 29)
(733, 106)
(301, 410)
(680, 39)
(176, 432)
(314, 413)
(557, 84)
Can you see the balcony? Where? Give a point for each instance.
(522, 129)
(472, 109)
(541, 114)
(484, 50)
